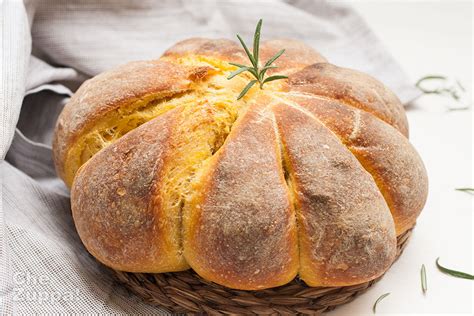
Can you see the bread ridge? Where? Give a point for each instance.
(223, 241)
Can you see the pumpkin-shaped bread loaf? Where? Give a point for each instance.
(312, 176)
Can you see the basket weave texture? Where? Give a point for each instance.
(187, 292)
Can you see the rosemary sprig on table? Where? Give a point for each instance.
(454, 273)
(254, 68)
(424, 285)
(446, 87)
(374, 308)
(467, 190)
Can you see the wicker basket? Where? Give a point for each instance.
(186, 292)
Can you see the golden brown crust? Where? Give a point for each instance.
(109, 91)
(223, 49)
(354, 88)
(142, 189)
(316, 177)
(297, 55)
(116, 205)
(389, 157)
(239, 225)
(346, 233)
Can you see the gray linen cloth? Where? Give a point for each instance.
(48, 49)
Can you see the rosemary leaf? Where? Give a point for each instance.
(458, 109)
(256, 41)
(467, 190)
(454, 273)
(374, 308)
(272, 78)
(237, 65)
(424, 285)
(237, 72)
(275, 57)
(444, 87)
(254, 72)
(247, 88)
(460, 86)
(252, 60)
(268, 67)
(264, 70)
(426, 78)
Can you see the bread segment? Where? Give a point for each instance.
(346, 232)
(389, 157)
(114, 204)
(353, 88)
(239, 225)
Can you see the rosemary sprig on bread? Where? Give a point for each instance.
(254, 68)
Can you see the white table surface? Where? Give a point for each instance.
(429, 37)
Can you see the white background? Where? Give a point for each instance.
(428, 37)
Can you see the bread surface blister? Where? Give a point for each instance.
(311, 177)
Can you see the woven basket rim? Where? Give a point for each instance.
(187, 292)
